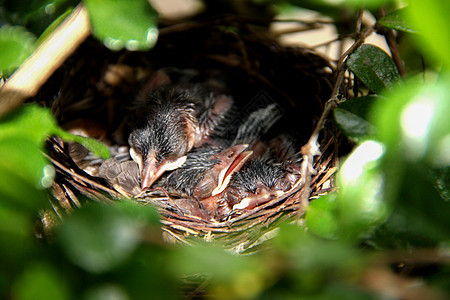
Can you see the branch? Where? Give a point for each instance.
(35, 71)
(393, 47)
(312, 147)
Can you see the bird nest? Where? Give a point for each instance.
(90, 93)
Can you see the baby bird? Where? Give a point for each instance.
(256, 183)
(169, 123)
(207, 171)
(262, 179)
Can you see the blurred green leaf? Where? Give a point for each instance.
(352, 117)
(412, 55)
(367, 3)
(374, 68)
(320, 216)
(105, 292)
(40, 281)
(99, 238)
(209, 259)
(147, 274)
(30, 121)
(358, 207)
(37, 124)
(421, 207)
(93, 145)
(397, 20)
(420, 217)
(124, 23)
(24, 173)
(431, 20)
(16, 44)
(22, 6)
(360, 201)
(310, 256)
(24, 158)
(232, 276)
(15, 232)
(414, 122)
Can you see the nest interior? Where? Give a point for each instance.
(93, 90)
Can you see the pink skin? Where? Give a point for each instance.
(231, 161)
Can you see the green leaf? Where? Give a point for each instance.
(421, 208)
(311, 254)
(16, 44)
(30, 121)
(431, 20)
(360, 202)
(15, 231)
(23, 157)
(37, 124)
(352, 117)
(93, 145)
(24, 173)
(240, 277)
(149, 261)
(40, 281)
(320, 216)
(414, 122)
(99, 238)
(414, 126)
(397, 20)
(24, 8)
(374, 4)
(124, 23)
(106, 291)
(208, 259)
(374, 68)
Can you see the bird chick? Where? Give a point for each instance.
(169, 124)
(206, 171)
(256, 183)
(262, 179)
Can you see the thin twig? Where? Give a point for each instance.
(82, 178)
(390, 38)
(312, 147)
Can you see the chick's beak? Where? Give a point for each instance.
(218, 177)
(232, 159)
(152, 170)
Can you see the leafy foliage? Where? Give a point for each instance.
(374, 68)
(119, 23)
(352, 117)
(17, 44)
(396, 20)
(392, 189)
